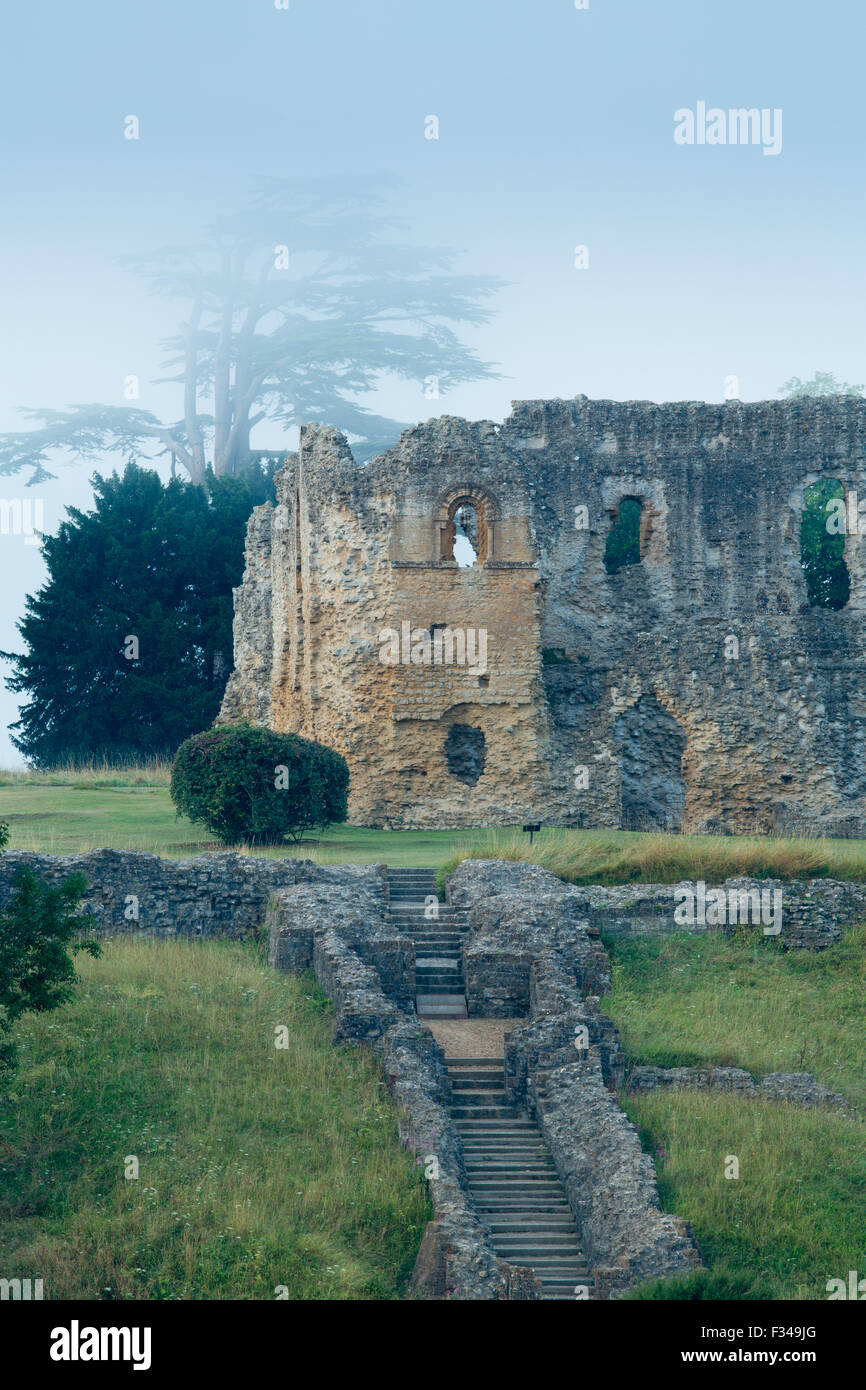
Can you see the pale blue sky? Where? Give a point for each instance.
(556, 128)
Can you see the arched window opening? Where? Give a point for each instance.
(822, 545)
(466, 528)
(466, 535)
(623, 539)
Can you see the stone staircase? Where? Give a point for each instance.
(439, 983)
(513, 1180)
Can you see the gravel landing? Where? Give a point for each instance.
(472, 1037)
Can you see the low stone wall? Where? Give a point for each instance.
(359, 916)
(798, 1088)
(214, 894)
(456, 1260)
(610, 1181)
(534, 941)
(813, 913)
(562, 1062)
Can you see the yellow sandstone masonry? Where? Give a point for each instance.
(695, 689)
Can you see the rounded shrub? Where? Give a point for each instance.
(251, 785)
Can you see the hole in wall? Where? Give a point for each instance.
(651, 746)
(465, 753)
(828, 583)
(623, 539)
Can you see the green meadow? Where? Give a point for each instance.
(261, 1172)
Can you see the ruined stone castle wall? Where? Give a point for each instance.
(604, 696)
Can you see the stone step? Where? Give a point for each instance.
(514, 1126)
(443, 931)
(499, 1130)
(419, 905)
(530, 1251)
(480, 1112)
(441, 1006)
(548, 1225)
(487, 1079)
(494, 1207)
(474, 1062)
(497, 1098)
(504, 1142)
(433, 930)
(530, 1172)
(433, 941)
(509, 1145)
(516, 1191)
(517, 1185)
(422, 930)
(470, 1081)
(411, 904)
(479, 1158)
(433, 945)
(486, 1094)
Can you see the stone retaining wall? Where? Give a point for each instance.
(814, 912)
(456, 1260)
(800, 1088)
(215, 894)
(561, 1064)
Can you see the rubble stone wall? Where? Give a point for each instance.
(629, 675)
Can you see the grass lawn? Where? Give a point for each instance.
(67, 812)
(257, 1167)
(795, 1216)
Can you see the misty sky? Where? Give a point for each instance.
(555, 129)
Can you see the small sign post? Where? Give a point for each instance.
(532, 829)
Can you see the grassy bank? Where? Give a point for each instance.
(713, 1000)
(69, 812)
(620, 856)
(794, 1217)
(257, 1167)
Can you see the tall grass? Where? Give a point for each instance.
(794, 1217)
(715, 1000)
(152, 772)
(257, 1167)
(614, 856)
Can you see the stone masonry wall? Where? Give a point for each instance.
(333, 930)
(628, 672)
(562, 1062)
(218, 894)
